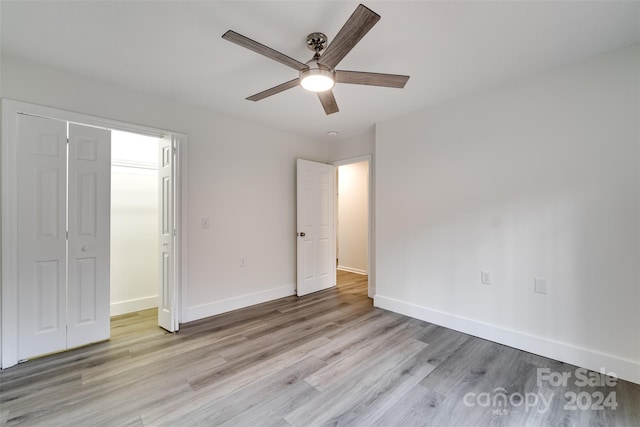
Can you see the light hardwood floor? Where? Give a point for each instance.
(329, 358)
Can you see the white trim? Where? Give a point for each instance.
(82, 119)
(181, 220)
(352, 270)
(352, 160)
(624, 368)
(134, 164)
(217, 307)
(133, 305)
(177, 141)
(371, 282)
(9, 286)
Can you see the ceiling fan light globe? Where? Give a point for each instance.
(317, 80)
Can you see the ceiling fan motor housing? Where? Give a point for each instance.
(317, 41)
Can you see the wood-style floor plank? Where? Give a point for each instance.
(328, 358)
(419, 408)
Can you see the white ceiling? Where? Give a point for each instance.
(174, 49)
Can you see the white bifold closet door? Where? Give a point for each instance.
(167, 298)
(63, 282)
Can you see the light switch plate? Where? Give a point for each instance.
(485, 277)
(540, 285)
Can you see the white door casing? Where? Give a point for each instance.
(42, 197)
(316, 246)
(167, 304)
(89, 212)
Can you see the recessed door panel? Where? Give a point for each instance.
(85, 296)
(47, 209)
(165, 190)
(325, 208)
(86, 148)
(47, 277)
(87, 210)
(166, 270)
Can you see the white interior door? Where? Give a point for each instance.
(42, 200)
(167, 304)
(316, 246)
(89, 212)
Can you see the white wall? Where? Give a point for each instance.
(535, 179)
(134, 223)
(355, 146)
(353, 217)
(240, 175)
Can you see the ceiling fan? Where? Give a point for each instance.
(319, 74)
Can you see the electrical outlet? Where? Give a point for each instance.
(539, 285)
(204, 223)
(243, 261)
(485, 277)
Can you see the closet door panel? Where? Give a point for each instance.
(167, 299)
(89, 234)
(42, 193)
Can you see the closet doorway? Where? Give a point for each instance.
(135, 262)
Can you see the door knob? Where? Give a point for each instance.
(85, 248)
(301, 234)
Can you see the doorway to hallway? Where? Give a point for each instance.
(353, 213)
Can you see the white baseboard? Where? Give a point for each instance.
(230, 304)
(133, 305)
(585, 358)
(352, 270)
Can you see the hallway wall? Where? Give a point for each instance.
(353, 217)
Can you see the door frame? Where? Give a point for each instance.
(371, 283)
(9, 287)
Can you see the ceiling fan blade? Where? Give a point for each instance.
(358, 24)
(274, 90)
(328, 102)
(372, 79)
(246, 42)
